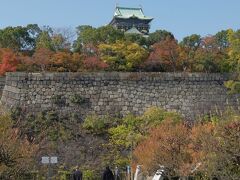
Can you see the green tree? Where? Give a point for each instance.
(54, 40)
(188, 48)
(90, 37)
(222, 39)
(44, 41)
(159, 35)
(137, 38)
(191, 42)
(234, 49)
(108, 34)
(19, 38)
(122, 55)
(234, 60)
(209, 57)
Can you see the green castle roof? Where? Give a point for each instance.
(133, 30)
(124, 12)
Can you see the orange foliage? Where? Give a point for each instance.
(209, 148)
(93, 63)
(42, 58)
(66, 61)
(202, 143)
(165, 53)
(8, 60)
(166, 146)
(16, 152)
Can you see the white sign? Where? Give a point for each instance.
(45, 160)
(53, 160)
(49, 160)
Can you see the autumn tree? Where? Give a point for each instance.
(209, 57)
(93, 63)
(65, 61)
(122, 55)
(63, 38)
(225, 164)
(41, 60)
(60, 43)
(201, 148)
(165, 55)
(131, 130)
(215, 147)
(8, 61)
(166, 146)
(16, 153)
(209, 149)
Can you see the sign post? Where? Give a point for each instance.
(48, 160)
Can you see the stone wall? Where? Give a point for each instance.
(2, 84)
(191, 94)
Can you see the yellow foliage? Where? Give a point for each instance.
(15, 153)
(122, 55)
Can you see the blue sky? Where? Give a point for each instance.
(181, 17)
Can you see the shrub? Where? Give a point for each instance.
(78, 99)
(58, 100)
(89, 175)
(94, 124)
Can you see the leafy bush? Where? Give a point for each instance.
(15, 113)
(95, 124)
(64, 175)
(208, 150)
(233, 86)
(47, 124)
(89, 175)
(16, 153)
(58, 100)
(78, 99)
(133, 129)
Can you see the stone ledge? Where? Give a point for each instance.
(135, 76)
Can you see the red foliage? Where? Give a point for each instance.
(165, 55)
(41, 60)
(94, 63)
(9, 61)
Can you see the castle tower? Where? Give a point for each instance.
(131, 20)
